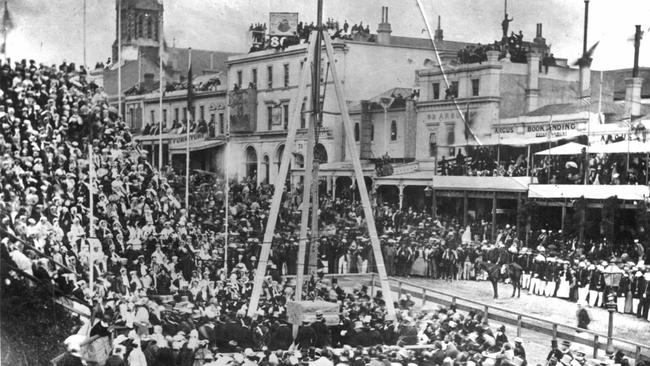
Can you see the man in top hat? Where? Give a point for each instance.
(582, 278)
(323, 336)
(597, 285)
(306, 336)
(555, 352)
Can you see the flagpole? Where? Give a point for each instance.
(550, 130)
(227, 186)
(161, 78)
(5, 29)
(91, 210)
(84, 19)
(187, 141)
(119, 58)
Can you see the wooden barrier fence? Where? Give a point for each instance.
(596, 340)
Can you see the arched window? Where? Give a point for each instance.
(139, 27)
(393, 130)
(251, 162)
(320, 153)
(356, 132)
(149, 27)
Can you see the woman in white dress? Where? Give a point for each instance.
(564, 288)
(419, 267)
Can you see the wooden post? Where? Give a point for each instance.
(363, 191)
(518, 325)
(494, 215)
(554, 331)
(434, 203)
(563, 216)
(424, 296)
(280, 178)
(637, 354)
(464, 209)
(372, 284)
(453, 300)
(304, 217)
(399, 290)
(486, 311)
(596, 346)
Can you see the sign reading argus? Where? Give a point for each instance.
(283, 24)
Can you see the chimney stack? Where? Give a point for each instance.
(532, 90)
(539, 38)
(384, 30)
(633, 85)
(438, 34)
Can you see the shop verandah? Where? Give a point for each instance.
(491, 201)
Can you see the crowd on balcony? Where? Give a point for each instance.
(180, 128)
(482, 162)
(166, 290)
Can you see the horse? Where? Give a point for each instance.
(496, 272)
(448, 263)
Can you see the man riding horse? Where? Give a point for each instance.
(499, 266)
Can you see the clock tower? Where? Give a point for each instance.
(139, 22)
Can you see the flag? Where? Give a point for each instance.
(7, 26)
(190, 86)
(7, 21)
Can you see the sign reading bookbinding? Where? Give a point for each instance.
(283, 24)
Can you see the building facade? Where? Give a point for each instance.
(269, 79)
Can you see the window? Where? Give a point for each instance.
(450, 135)
(433, 144)
(372, 132)
(356, 132)
(202, 112)
(269, 77)
(269, 118)
(165, 117)
(239, 78)
(149, 27)
(393, 130)
(303, 118)
(212, 119)
(285, 115)
(176, 115)
(454, 89)
(254, 77)
(475, 87)
(153, 117)
(436, 91)
(184, 113)
(221, 124)
(286, 75)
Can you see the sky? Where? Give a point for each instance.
(52, 31)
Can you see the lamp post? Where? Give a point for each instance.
(428, 192)
(613, 276)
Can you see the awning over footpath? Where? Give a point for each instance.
(455, 183)
(195, 145)
(621, 147)
(593, 192)
(570, 148)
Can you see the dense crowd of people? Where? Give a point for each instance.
(603, 169)
(165, 288)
